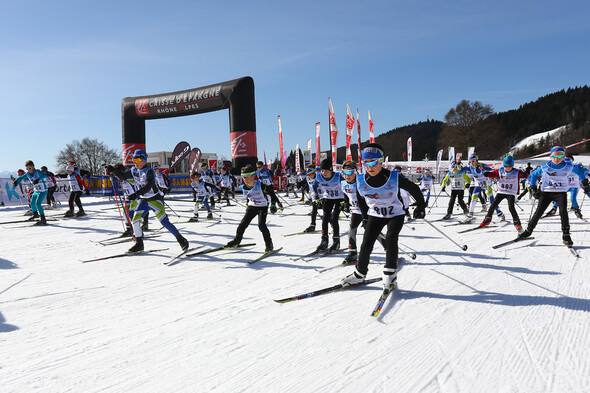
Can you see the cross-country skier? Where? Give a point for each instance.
(380, 189)
(477, 172)
(51, 187)
(37, 179)
(202, 191)
(327, 187)
(554, 185)
(263, 173)
(162, 180)
(150, 197)
(508, 187)
(225, 184)
(256, 193)
(457, 178)
(207, 176)
(426, 182)
(77, 185)
(310, 172)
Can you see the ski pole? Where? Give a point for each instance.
(171, 209)
(435, 199)
(463, 247)
(532, 208)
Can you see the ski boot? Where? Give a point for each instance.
(351, 258)
(524, 234)
(389, 278)
(502, 216)
(138, 246)
(144, 225)
(567, 240)
(323, 244)
(69, 213)
(447, 216)
(128, 232)
(269, 247)
(183, 242)
(194, 218)
(551, 212)
(578, 213)
(80, 213)
(209, 216)
(486, 221)
(232, 243)
(33, 217)
(42, 221)
(335, 244)
(353, 279)
(310, 228)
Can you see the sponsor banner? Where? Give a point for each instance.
(243, 144)
(283, 158)
(19, 195)
(349, 128)
(358, 133)
(410, 149)
(128, 150)
(180, 103)
(213, 165)
(371, 133)
(194, 160)
(333, 131)
(181, 150)
(318, 151)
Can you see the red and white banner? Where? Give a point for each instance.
(297, 164)
(358, 134)
(213, 165)
(371, 133)
(309, 150)
(333, 132)
(409, 149)
(349, 128)
(318, 151)
(283, 158)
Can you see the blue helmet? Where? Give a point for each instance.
(140, 153)
(474, 157)
(156, 166)
(508, 161)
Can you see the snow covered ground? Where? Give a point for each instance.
(514, 319)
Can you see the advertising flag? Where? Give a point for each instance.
(358, 134)
(318, 150)
(371, 133)
(283, 158)
(333, 131)
(297, 164)
(349, 128)
(410, 149)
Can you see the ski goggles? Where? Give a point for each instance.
(557, 155)
(372, 153)
(371, 164)
(348, 172)
(309, 171)
(137, 160)
(248, 174)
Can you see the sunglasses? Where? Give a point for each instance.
(371, 164)
(29, 167)
(348, 172)
(557, 155)
(248, 174)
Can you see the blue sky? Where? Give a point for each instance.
(66, 65)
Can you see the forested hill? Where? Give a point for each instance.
(494, 134)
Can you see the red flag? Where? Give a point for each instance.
(333, 131)
(371, 133)
(318, 151)
(358, 133)
(349, 128)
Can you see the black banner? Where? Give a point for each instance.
(194, 159)
(181, 150)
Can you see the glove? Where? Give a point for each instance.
(586, 186)
(443, 189)
(419, 212)
(14, 183)
(87, 191)
(36, 181)
(536, 192)
(273, 208)
(133, 196)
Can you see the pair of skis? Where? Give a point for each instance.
(340, 287)
(571, 249)
(189, 253)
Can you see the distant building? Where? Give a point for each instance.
(164, 158)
